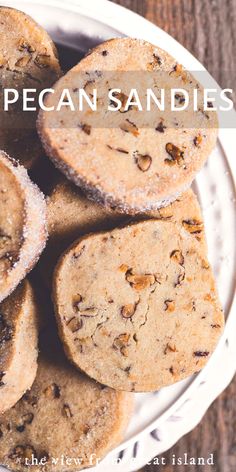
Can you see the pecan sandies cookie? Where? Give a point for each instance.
(66, 422)
(71, 215)
(22, 224)
(137, 307)
(130, 158)
(18, 345)
(28, 60)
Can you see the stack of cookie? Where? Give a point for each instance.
(125, 260)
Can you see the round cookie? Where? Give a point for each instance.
(137, 307)
(128, 160)
(22, 224)
(64, 414)
(28, 59)
(18, 345)
(70, 215)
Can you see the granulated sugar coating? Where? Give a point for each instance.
(23, 230)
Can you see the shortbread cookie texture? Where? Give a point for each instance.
(137, 307)
(64, 414)
(22, 224)
(118, 159)
(18, 345)
(28, 60)
(70, 215)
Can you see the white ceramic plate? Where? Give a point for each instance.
(78, 25)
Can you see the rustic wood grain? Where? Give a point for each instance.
(205, 27)
(208, 29)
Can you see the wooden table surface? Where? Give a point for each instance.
(208, 29)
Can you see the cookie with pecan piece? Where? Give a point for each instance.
(64, 413)
(128, 158)
(28, 60)
(124, 297)
(18, 345)
(22, 224)
(70, 215)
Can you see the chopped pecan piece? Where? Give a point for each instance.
(197, 140)
(74, 324)
(25, 45)
(87, 311)
(156, 62)
(140, 282)
(23, 61)
(209, 298)
(210, 104)
(78, 254)
(177, 256)
(129, 127)
(76, 301)
(170, 348)
(169, 305)
(1, 377)
(205, 264)
(123, 99)
(157, 59)
(67, 411)
(53, 391)
(3, 61)
(180, 98)
(21, 453)
(86, 429)
(119, 149)
(121, 342)
(143, 161)
(180, 279)
(42, 61)
(178, 68)
(85, 128)
(26, 419)
(201, 353)
(177, 156)
(127, 311)
(178, 71)
(123, 268)
(160, 127)
(193, 226)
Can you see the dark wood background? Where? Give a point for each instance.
(208, 29)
